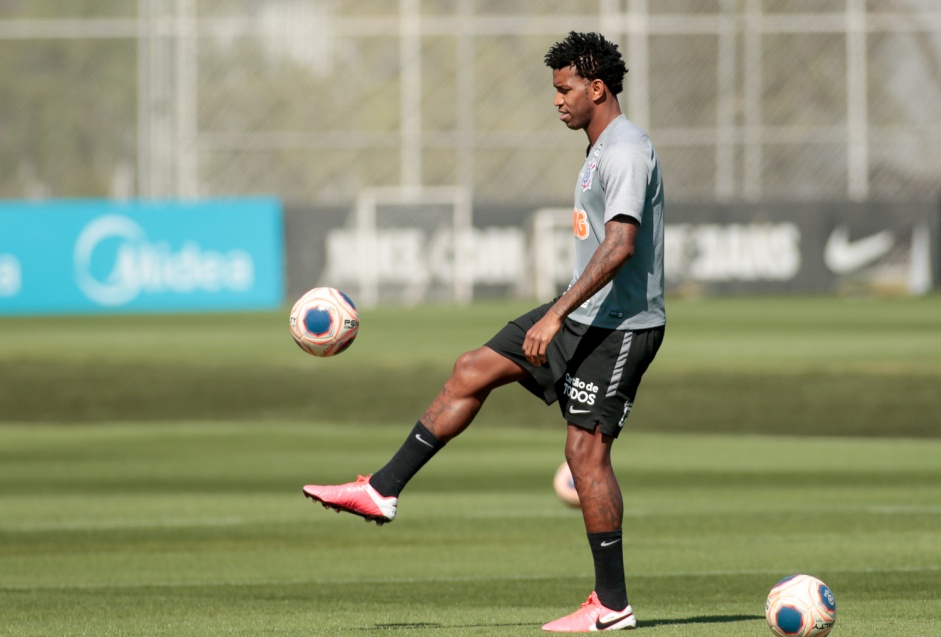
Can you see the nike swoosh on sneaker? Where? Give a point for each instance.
(604, 623)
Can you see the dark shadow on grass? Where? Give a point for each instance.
(422, 625)
(404, 626)
(703, 619)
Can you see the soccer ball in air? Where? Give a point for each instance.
(324, 322)
(800, 606)
(564, 485)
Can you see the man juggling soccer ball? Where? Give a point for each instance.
(586, 350)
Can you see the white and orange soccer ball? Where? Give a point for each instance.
(800, 606)
(324, 322)
(564, 485)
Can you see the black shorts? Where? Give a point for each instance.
(592, 372)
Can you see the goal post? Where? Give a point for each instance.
(553, 251)
(405, 246)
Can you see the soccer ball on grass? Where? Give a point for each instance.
(800, 606)
(324, 322)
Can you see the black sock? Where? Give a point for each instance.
(418, 448)
(608, 553)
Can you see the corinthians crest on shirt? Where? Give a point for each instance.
(588, 175)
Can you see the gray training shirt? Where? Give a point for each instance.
(621, 176)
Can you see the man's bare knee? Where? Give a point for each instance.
(586, 450)
(483, 369)
(467, 371)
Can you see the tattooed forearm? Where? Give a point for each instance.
(611, 255)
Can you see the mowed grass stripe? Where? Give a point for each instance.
(665, 606)
(633, 576)
(804, 365)
(752, 509)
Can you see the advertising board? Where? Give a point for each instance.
(98, 256)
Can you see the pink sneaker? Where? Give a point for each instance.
(593, 616)
(358, 498)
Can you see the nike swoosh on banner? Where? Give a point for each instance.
(424, 442)
(843, 256)
(600, 625)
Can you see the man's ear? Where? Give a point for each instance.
(597, 90)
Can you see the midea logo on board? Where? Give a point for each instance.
(115, 262)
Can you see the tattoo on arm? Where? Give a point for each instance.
(611, 255)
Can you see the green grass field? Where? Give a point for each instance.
(150, 474)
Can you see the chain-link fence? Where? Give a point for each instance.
(317, 100)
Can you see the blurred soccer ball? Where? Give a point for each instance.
(324, 322)
(564, 485)
(800, 606)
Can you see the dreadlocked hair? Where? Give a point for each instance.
(593, 57)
